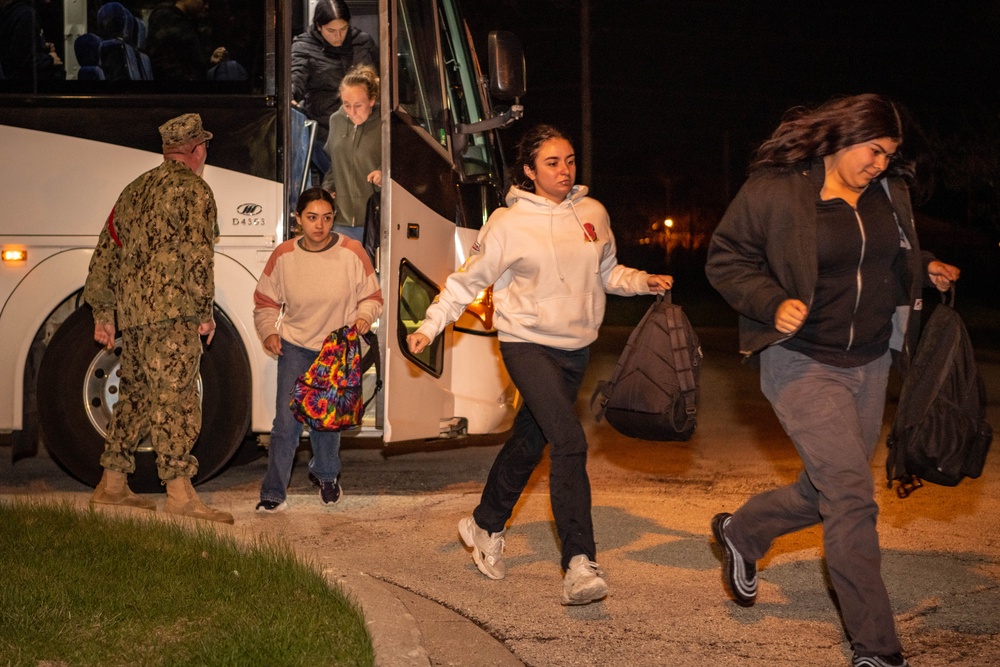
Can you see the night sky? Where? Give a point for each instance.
(684, 91)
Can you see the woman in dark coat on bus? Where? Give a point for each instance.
(321, 56)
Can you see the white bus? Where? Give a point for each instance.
(69, 145)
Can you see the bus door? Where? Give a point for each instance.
(442, 177)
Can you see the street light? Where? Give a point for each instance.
(668, 226)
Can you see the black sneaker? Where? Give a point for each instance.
(739, 574)
(894, 660)
(330, 492)
(271, 506)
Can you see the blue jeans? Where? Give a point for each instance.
(325, 463)
(548, 380)
(834, 417)
(356, 233)
(320, 160)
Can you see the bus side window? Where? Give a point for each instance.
(407, 84)
(420, 94)
(87, 49)
(28, 55)
(119, 56)
(145, 64)
(416, 293)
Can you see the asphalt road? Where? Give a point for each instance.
(652, 507)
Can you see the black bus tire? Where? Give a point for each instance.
(74, 374)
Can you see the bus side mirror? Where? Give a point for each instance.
(506, 83)
(507, 69)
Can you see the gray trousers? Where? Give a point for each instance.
(834, 418)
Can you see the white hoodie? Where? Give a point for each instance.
(550, 266)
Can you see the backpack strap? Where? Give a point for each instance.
(372, 358)
(682, 362)
(948, 298)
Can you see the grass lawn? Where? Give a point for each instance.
(84, 588)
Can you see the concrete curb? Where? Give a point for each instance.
(395, 633)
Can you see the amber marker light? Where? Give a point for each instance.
(482, 307)
(12, 255)
(478, 315)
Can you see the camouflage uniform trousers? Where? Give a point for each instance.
(158, 397)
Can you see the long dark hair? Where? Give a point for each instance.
(805, 134)
(309, 196)
(330, 10)
(527, 153)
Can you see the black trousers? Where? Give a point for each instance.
(548, 380)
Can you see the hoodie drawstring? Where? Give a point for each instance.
(552, 244)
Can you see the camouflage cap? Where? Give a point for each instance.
(183, 130)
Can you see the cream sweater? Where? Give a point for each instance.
(303, 295)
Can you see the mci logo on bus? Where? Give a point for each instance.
(249, 214)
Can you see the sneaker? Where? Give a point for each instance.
(330, 492)
(895, 660)
(487, 548)
(739, 574)
(271, 506)
(583, 582)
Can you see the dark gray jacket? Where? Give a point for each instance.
(764, 252)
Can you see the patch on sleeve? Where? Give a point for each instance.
(476, 248)
(111, 229)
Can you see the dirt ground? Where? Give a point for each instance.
(652, 506)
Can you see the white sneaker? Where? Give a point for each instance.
(487, 549)
(583, 582)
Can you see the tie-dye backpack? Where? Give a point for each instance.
(328, 396)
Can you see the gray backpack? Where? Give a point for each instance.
(653, 393)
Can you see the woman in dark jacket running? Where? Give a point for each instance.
(321, 56)
(818, 253)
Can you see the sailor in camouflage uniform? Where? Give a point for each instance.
(154, 268)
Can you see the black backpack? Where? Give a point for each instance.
(373, 226)
(653, 393)
(940, 432)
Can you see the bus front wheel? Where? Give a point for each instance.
(78, 386)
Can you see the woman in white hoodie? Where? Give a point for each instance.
(550, 256)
